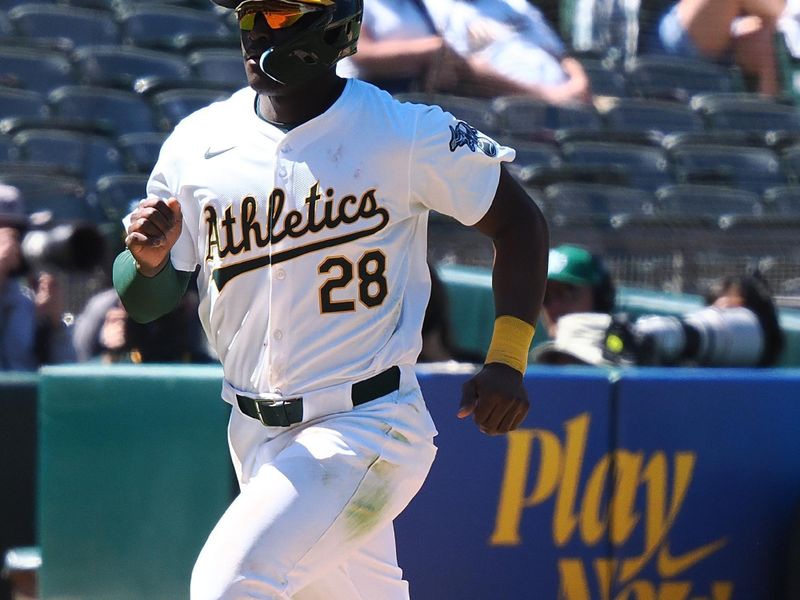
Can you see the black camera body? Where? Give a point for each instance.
(71, 246)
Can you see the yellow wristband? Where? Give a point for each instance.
(511, 342)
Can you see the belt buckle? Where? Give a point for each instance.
(279, 411)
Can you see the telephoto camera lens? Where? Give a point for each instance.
(711, 337)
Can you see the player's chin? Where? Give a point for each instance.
(259, 81)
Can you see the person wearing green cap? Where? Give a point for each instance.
(577, 282)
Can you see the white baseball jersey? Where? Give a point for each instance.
(312, 243)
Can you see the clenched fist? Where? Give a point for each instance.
(496, 398)
(155, 226)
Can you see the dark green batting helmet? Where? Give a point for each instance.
(327, 33)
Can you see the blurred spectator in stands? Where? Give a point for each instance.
(577, 282)
(32, 330)
(751, 292)
(789, 26)
(578, 341)
(727, 31)
(103, 332)
(398, 46)
(468, 47)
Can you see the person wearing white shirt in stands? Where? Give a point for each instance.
(472, 47)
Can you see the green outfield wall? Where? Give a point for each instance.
(133, 473)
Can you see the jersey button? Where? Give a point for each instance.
(282, 172)
(280, 274)
(278, 334)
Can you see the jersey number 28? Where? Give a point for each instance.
(372, 287)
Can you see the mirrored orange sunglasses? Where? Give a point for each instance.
(277, 17)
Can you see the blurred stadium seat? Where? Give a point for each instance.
(13, 125)
(116, 194)
(8, 152)
(121, 111)
(645, 167)
(605, 80)
(596, 205)
(140, 150)
(150, 25)
(22, 103)
(62, 196)
(106, 5)
(714, 138)
(9, 4)
(783, 201)
(6, 28)
(33, 70)
(527, 118)
(790, 161)
(678, 78)
(218, 65)
(173, 105)
(81, 26)
(118, 66)
(642, 114)
(644, 138)
(747, 168)
(541, 176)
(533, 154)
(81, 155)
(707, 205)
(746, 112)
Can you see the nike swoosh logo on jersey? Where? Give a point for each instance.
(212, 153)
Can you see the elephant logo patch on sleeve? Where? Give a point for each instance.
(463, 134)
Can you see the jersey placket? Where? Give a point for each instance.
(279, 297)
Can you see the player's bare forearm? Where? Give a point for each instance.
(495, 396)
(522, 242)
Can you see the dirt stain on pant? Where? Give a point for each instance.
(363, 512)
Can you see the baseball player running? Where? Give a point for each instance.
(302, 201)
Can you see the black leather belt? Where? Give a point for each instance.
(288, 411)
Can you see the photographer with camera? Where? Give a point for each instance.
(32, 332)
(738, 328)
(577, 282)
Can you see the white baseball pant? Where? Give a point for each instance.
(314, 517)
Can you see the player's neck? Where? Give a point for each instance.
(302, 103)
